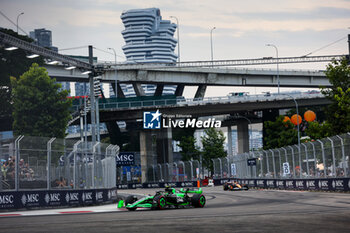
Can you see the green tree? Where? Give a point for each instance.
(189, 150)
(316, 130)
(213, 147)
(279, 133)
(338, 112)
(12, 63)
(39, 108)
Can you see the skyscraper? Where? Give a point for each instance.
(148, 37)
(43, 38)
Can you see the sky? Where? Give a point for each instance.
(243, 28)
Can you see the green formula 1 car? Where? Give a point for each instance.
(170, 198)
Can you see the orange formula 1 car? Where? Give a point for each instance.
(235, 186)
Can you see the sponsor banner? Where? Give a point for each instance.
(54, 198)
(73, 198)
(136, 186)
(251, 162)
(9, 200)
(324, 184)
(271, 183)
(281, 184)
(125, 159)
(252, 183)
(311, 184)
(88, 197)
(261, 183)
(341, 184)
(300, 184)
(290, 184)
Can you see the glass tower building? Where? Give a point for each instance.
(148, 37)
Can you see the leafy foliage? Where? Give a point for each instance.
(338, 113)
(213, 147)
(39, 108)
(12, 63)
(316, 130)
(189, 150)
(279, 133)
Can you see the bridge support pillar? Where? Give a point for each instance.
(159, 90)
(138, 89)
(200, 91)
(147, 154)
(120, 93)
(243, 136)
(179, 90)
(165, 150)
(229, 141)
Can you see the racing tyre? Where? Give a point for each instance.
(198, 200)
(160, 202)
(245, 187)
(225, 187)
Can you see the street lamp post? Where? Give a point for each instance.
(115, 61)
(278, 72)
(115, 55)
(211, 43)
(298, 123)
(18, 18)
(178, 36)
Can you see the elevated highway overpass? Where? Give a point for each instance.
(212, 106)
(194, 76)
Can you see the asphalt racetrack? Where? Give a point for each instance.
(225, 211)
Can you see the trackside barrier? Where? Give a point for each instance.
(55, 198)
(330, 184)
(159, 185)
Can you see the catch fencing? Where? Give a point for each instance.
(39, 163)
(320, 159)
(325, 158)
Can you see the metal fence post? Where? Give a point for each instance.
(75, 148)
(220, 167)
(333, 157)
(293, 162)
(17, 153)
(307, 160)
(323, 158)
(261, 158)
(48, 175)
(191, 164)
(94, 164)
(176, 172)
(183, 168)
(160, 172)
(273, 163)
(315, 159)
(168, 171)
(267, 163)
(280, 162)
(343, 155)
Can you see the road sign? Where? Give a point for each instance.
(286, 170)
(251, 162)
(233, 169)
